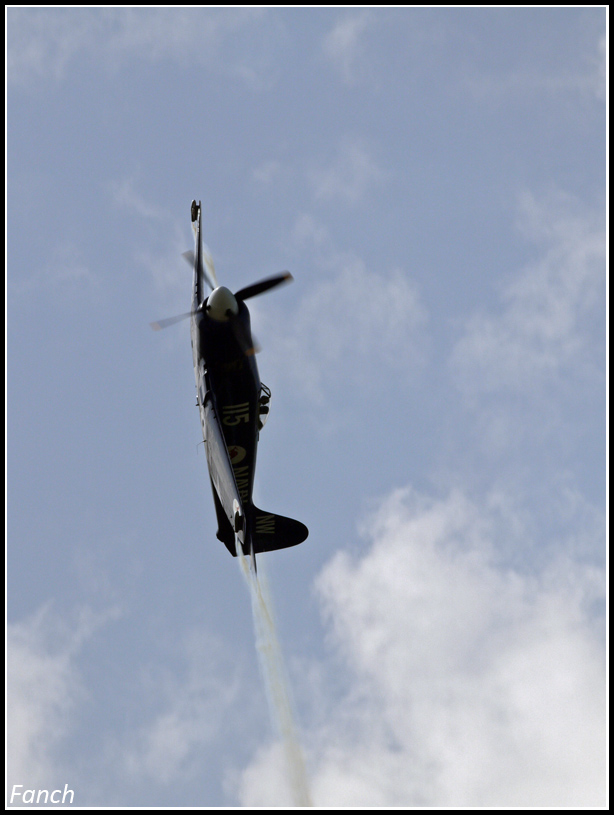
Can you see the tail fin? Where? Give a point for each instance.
(270, 532)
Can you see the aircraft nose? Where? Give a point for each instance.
(221, 304)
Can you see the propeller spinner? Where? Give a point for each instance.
(222, 304)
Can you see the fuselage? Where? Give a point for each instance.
(228, 392)
(233, 405)
(228, 379)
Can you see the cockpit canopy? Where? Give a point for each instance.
(264, 403)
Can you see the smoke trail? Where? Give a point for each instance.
(274, 673)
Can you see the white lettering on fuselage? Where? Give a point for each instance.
(242, 479)
(233, 414)
(265, 525)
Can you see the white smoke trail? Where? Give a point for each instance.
(276, 683)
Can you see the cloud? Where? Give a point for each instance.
(309, 233)
(41, 43)
(342, 45)
(46, 43)
(188, 707)
(355, 325)
(44, 690)
(161, 241)
(586, 81)
(126, 196)
(551, 312)
(63, 273)
(267, 172)
(600, 69)
(468, 683)
(174, 714)
(349, 178)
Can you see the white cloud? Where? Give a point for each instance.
(601, 69)
(351, 176)
(126, 196)
(353, 327)
(190, 705)
(178, 712)
(64, 273)
(308, 232)
(46, 42)
(587, 82)
(265, 783)
(41, 43)
(161, 242)
(343, 44)
(546, 325)
(469, 683)
(267, 172)
(44, 691)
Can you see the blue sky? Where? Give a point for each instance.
(435, 181)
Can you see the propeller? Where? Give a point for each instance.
(210, 274)
(247, 342)
(160, 324)
(209, 270)
(263, 285)
(226, 310)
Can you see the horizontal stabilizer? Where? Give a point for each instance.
(271, 532)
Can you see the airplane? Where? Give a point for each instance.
(233, 404)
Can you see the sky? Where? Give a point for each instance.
(435, 180)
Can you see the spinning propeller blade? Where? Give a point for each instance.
(263, 285)
(209, 271)
(249, 347)
(210, 275)
(157, 326)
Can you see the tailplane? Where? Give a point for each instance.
(270, 531)
(266, 530)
